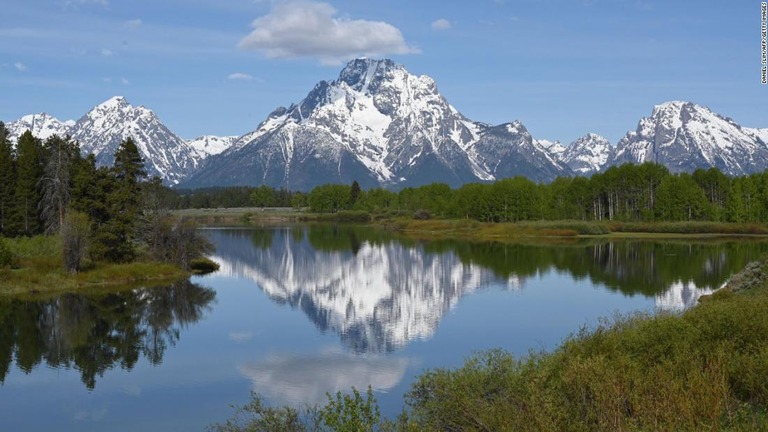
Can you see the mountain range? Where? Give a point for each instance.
(383, 126)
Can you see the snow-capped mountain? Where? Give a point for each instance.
(41, 125)
(382, 126)
(554, 148)
(684, 136)
(103, 128)
(588, 154)
(208, 145)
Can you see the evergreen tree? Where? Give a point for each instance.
(7, 179)
(117, 235)
(354, 193)
(30, 170)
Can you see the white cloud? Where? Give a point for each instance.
(298, 380)
(134, 23)
(441, 24)
(240, 76)
(311, 29)
(125, 81)
(106, 52)
(21, 67)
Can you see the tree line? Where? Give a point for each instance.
(644, 193)
(102, 213)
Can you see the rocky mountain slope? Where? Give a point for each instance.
(685, 136)
(382, 126)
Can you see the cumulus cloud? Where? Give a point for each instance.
(21, 67)
(240, 76)
(298, 380)
(441, 24)
(106, 52)
(312, 29)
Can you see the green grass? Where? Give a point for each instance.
(38, 269)
(705, 369)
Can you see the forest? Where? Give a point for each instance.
(101, 214)
(642, 193)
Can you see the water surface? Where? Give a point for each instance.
(296, 312)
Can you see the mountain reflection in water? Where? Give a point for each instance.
(378, 292)
(95, 332)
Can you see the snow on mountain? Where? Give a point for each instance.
(553, 147)
(684, 136)
(101, 131)
(208, 145)
(758, 134)
(588, 154)
(41, 125)
(380, 125)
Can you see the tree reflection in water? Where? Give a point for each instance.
(97, 332)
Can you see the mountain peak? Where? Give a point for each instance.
(588, 154)
(360, 73)
(114, 101)
(685, 136)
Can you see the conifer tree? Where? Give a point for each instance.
(7, 179)
(29, 169)
(124, 203)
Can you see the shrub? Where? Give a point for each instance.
(203, 265)
(75, 232)
(7, 258)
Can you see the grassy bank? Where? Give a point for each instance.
(704, 369)
(473, 230)
(37, 268)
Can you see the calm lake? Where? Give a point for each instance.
(299, 311)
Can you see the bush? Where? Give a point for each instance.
(7, 258)
(75, 233)
(203, 265)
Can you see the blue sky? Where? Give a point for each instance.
(563, 68)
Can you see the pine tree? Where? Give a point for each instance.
(30, 170)
(124, 203)
(7, 179)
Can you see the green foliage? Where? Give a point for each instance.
(256, 416)
(203, 265)
(174, 240)
(701, 370)
(29, 170)
(351, 412)
(680, 198)
(329, 198)
(354, 193)
(7, 258)
(263, 196)
(7, 180)
(75, 236)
